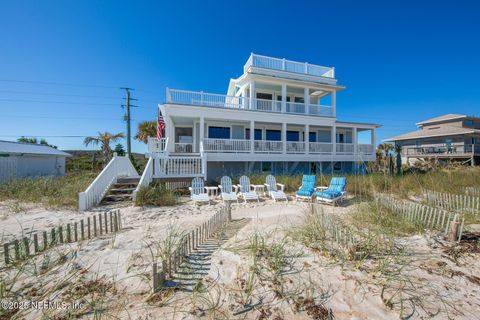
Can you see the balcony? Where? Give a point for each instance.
(201, 99)
(305, 68)
(226, 145)
(443, 151)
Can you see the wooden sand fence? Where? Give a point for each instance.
(39, 241)
(463, 203)
(425, 216)
(189, 242)
(472, 191)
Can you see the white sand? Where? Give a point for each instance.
(123, 264)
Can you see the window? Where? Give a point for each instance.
(340, 138)
(219, 132)
(468, 123)
(258, 134)
(183, 135)
(266, 167)
(266, 96)
(299, 100)
(293, 136)
(474, 140)
(279, 98)
(337, 166)
(273, 135)
(312, 137)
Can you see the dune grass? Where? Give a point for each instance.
(56, 192)
(156, 195)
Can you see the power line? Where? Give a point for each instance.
(59, 102)
(50, 117)
(57, 94)
(59, 83)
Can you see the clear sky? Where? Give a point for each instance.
(62, 62)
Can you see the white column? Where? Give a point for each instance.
(284, 137)
(306, 98)
(170, 134)
(252, 136)
(354, 140)
(334, 103)
(284, 97)
(252, 95)
(202, 129)
(307, 138)
(334, 139)
(374, 139)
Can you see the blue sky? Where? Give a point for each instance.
(62, 62)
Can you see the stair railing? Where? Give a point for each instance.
(117, 167)
(146, 178)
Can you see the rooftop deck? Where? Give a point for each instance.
(203, 99)
(271, 63)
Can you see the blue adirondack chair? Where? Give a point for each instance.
(307, 189)
(336, 191)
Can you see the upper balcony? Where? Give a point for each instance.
(290, 69)
(202, 99)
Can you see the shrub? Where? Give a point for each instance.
(156, 195)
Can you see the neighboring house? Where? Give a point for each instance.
(22, 160)
(279, 116)
(447, 137)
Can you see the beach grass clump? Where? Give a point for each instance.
(61, 192)
(156, 195)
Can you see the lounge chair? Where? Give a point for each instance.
(245, 190)
(273, 191)
(336, 191)
(226, 189)
(307, 189)
(197, 191)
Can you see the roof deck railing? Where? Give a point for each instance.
(256, 60)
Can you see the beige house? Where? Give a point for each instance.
(453, 137)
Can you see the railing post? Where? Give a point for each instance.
(82, 201)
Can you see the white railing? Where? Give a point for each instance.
(265, 146)
(321, 147)
(295, 147)
(117, 167)
(183, 147)
(146, 178)
(157, 146)
(260, 61)
(226, 145)
(297, 108)
(344, 148)
(241, 103)
(366, 149)
(170, 166)
(206, 99)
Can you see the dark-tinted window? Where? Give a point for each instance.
(266, 96)
(299, 100)
(468, 123)
(219, 132)
(258, 134)
(293, 136)
(312, 137)
(337, 166)
(273, 135)
(266, 166)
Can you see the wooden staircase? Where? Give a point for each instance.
(121, 191)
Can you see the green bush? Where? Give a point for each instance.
(156, 195)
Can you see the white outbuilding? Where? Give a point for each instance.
(23, 160)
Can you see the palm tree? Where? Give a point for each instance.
(383, 152)
(398, 151)
(104, 139)
(146, 129)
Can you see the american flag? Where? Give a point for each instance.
(160, 125)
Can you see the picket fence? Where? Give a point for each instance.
(189, 242)
(41, 240)
(472, 191)
(464, 203)
(425, 216)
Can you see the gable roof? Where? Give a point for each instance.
(445, 117)
(443, 130)
(30, 148)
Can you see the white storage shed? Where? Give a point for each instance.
(23, 160)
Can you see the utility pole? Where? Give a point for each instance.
(128, 118)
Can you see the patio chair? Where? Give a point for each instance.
(307, 189)
(226, 189)
(273, 191)
(336, 191)
(245, 190)
(197, 191)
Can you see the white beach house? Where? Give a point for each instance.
(279, 116)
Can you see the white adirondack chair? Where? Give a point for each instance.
(245, 191)
(197, 191)
(226, 189)
(273, 191)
